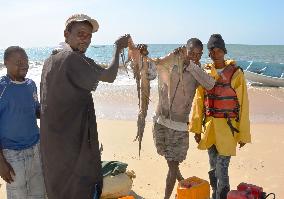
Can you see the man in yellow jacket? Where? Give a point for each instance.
(222, 115)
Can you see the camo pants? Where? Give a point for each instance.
(171, 144)
(219, 164)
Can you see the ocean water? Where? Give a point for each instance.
(119, 100)
(103, 53)
(272, 54)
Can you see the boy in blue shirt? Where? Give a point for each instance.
(20, 164)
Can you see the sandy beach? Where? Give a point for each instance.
(65, 42)
(259, 163)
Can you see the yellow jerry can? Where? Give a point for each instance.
(127, 197)
(193, 188)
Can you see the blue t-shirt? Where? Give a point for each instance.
(18, 107)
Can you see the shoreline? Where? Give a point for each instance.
(117, 102)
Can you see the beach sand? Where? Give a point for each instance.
(260, 163)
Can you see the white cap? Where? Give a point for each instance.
(83, 17)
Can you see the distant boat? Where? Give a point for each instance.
(100, 46)
(263, 74)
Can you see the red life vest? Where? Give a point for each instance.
(221, 101)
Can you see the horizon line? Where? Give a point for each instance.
(1, 48)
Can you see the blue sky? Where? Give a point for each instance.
(33, 23)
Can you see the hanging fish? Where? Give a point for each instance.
(140, 64)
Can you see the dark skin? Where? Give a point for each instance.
(218, 57)
(173, 175)
(6, 170)
(79, 39)
(193, 53)
(17, 68)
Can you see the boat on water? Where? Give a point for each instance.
(263, 74)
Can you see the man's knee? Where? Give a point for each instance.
(212, 153)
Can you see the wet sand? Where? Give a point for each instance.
(120, 102)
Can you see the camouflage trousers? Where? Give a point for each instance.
(219, 164)
(171, 144)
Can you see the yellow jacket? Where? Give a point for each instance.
(216, 131)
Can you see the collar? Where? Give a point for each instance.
(16, 82)
(210, 68)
